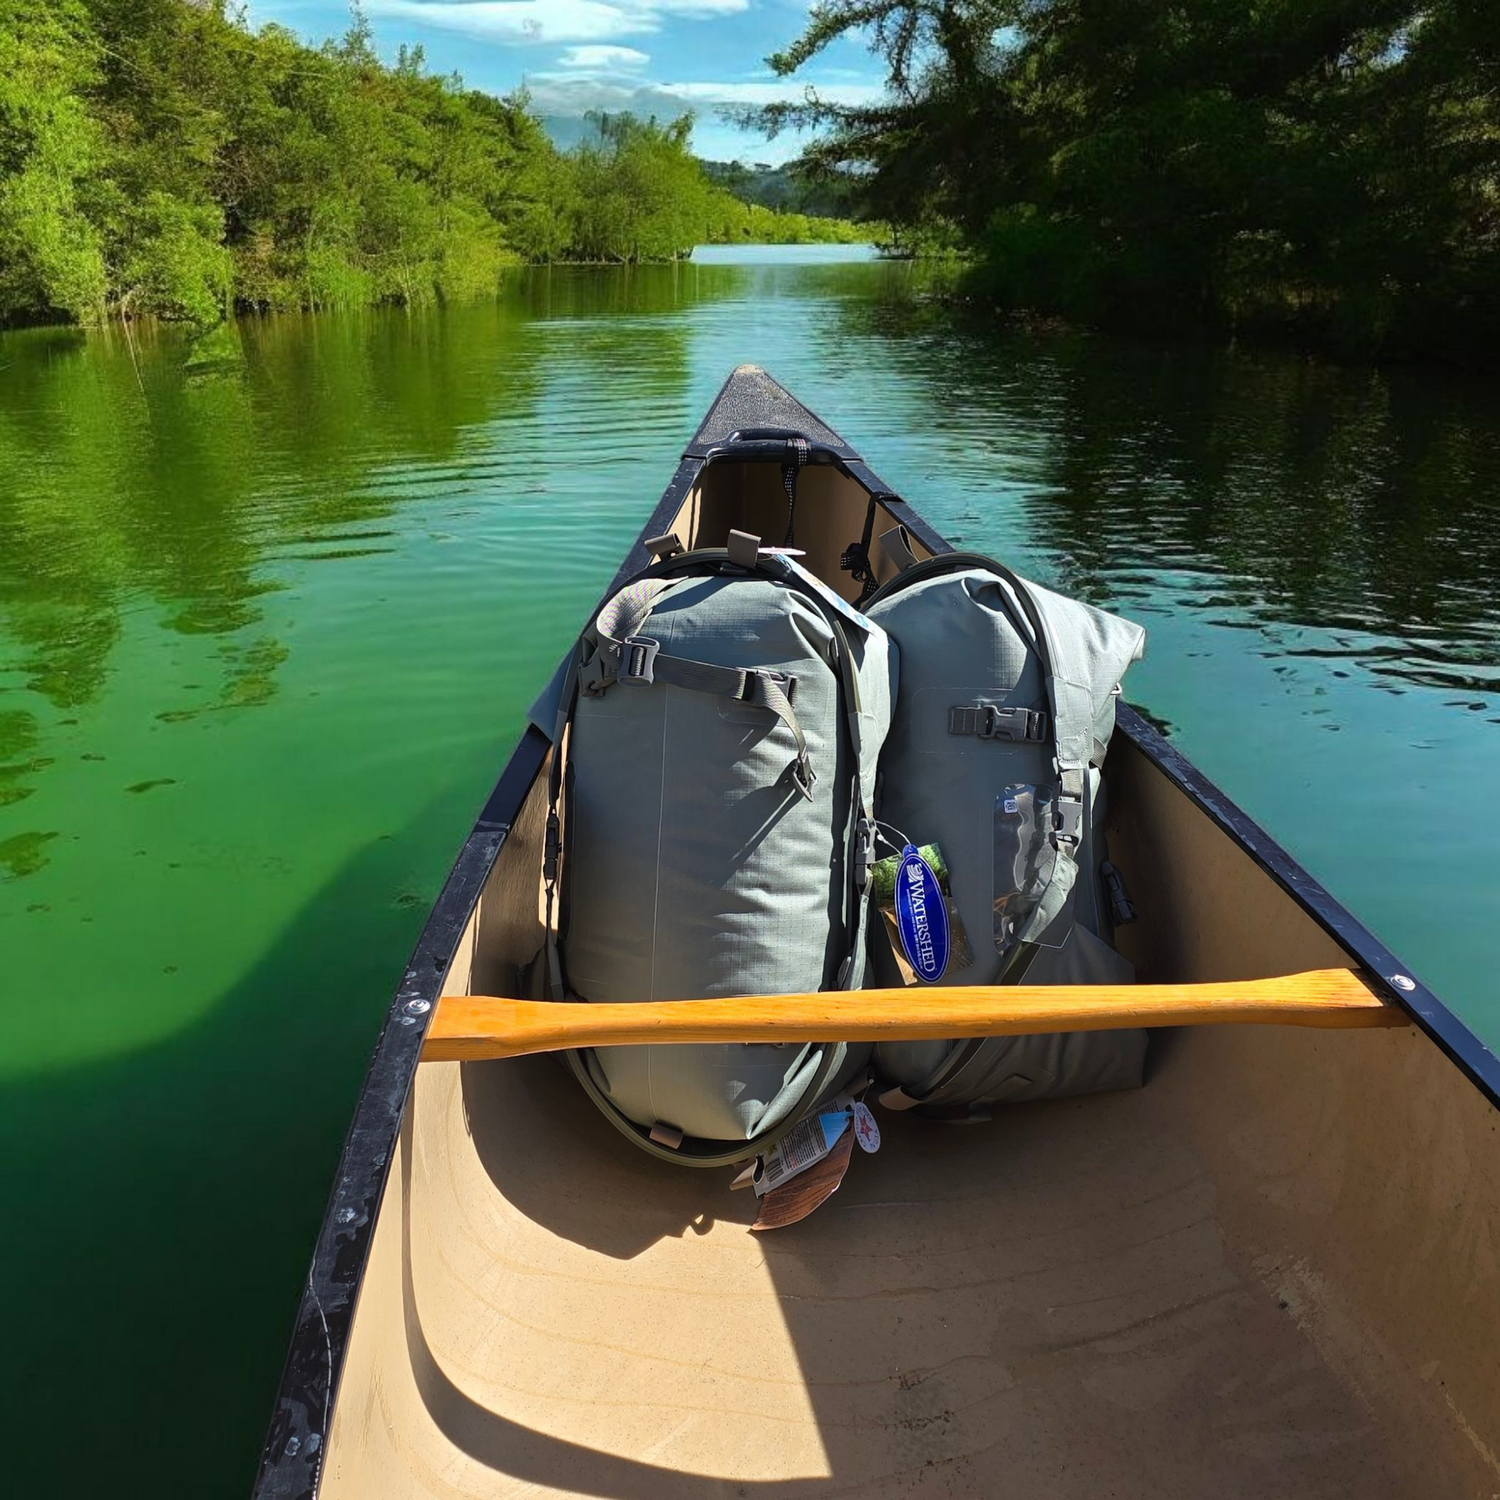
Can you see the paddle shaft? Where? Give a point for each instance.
(466, 1028)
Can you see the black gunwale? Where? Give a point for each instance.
(291, 1460)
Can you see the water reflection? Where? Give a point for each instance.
(1345, 513)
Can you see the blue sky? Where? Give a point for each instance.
(657, 57)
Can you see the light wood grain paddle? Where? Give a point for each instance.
(466, 1028)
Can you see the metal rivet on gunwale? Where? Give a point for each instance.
(1403, 981)
(418, 1007)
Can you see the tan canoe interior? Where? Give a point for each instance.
(1271, 1272)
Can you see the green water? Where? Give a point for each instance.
(268, 628)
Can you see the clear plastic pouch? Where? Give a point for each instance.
(1027, 865)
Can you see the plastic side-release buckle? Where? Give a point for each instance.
(1122, 909)
(988, 721)
(898, 1098)
(1069, 827)
(596, 673)
(637, 661)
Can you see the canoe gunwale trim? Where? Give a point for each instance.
(291, 1459)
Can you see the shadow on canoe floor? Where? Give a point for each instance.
(554, 1172)
(551, 1187)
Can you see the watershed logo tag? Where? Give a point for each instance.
(921, 916)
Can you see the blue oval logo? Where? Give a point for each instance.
(921, 916)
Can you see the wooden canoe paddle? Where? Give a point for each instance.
(466, 1028)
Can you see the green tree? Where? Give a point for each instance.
(51, 255)
(1326, 165)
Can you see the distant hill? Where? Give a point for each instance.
(783, 188)
(566, 131)
(788, 189)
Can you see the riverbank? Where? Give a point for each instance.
(171, 161)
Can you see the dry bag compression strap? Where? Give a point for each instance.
(623, 657)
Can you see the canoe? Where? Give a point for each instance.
(1274, 1270)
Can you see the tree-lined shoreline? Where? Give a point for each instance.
(165, 159)
(1324, 171)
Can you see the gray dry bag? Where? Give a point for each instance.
(724, 712)
(1006, 705)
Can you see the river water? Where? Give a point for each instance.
(269, 624)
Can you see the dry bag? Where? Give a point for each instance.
(724, 711)
(1004, 713)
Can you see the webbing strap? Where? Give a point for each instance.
(626, 658)
(796, 456)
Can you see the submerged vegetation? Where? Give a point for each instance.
(1328, 168)
(163, 158)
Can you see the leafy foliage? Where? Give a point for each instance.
(163, 158)
(1322, 165)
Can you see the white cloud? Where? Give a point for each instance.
(791, 90)
(605, 59)
(522, 21)
(572, 95)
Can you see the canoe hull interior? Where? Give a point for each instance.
(1272, 1271)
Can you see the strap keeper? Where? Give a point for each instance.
(665, 545)
(754, 690)
(666, 1135)
(637, 661)
(743, 548)
(896, 544)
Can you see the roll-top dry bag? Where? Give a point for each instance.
(1004, 713)
(723, 714)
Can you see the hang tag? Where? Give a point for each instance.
(921, 916)
(803, 1146)
(866, 1131)
(883, 882)
(793, 1201)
